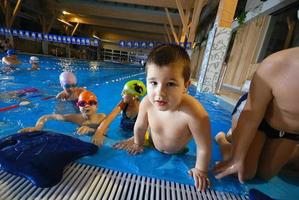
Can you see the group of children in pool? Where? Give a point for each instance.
(168, 117)
(168, 114)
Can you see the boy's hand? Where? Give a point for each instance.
(83, 130)
(29, 129)
(129, 146)
(201, 179)
(98, 139)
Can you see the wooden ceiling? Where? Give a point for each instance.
(158, 20)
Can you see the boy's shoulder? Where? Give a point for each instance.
(190, 101)
(191, 105)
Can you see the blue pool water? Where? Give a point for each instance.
(106, 81)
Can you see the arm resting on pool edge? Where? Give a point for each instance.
(41, 121)
(98, 137)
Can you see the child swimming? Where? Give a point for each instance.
(132, 92)
(88, 119)
(10, 61)
(68, 82)
(34, 61)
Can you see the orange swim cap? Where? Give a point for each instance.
(87, 96)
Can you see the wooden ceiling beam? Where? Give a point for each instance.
(81, 7)
(115, 23)
(195, 18)
(171, 26)
(117, 34)
(155, 3)
(167, 32)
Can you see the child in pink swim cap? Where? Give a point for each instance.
(68, 82)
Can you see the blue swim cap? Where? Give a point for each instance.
(10, 52)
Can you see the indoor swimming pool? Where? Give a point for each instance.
(106, 80)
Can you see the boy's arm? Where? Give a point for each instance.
(134, 144)
(98, 137)
(141, 124)
(200, 127)
(41, 121)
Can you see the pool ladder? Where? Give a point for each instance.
(85, 182)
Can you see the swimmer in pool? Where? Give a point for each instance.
(87, 119)
(34, 61)
(10, 61)
(132, 92)
(68, 82)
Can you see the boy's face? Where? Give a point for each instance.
(165, 86)
(88, 108)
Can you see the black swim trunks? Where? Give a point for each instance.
(240, 105)
(276, 134)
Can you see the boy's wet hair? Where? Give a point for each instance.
(167, 54)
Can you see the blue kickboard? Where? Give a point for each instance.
(41, 156)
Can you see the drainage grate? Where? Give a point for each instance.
(85, 182)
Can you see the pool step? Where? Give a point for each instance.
(85, 182)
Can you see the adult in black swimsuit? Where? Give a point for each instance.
(266, 135)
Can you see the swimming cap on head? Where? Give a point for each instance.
(34, 59)
(87, 96)
(135, 88)
(67, 77)
(11, 52)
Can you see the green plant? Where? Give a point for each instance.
(241, 18)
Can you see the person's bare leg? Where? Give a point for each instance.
(276, 153)
(293, 163)
(229, 136)
(225, 146)
(253, 155)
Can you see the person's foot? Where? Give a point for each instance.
(220, 138)
(225, 146)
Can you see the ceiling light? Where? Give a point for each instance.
(65, 12)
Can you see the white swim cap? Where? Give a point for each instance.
(67, 77)
(34, 59)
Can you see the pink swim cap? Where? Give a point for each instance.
(67, 78)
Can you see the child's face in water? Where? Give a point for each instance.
(88, 109)
(127, 98)
(165, 86)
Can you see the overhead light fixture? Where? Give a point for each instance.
(65, 12)
(96, 37)
(65, 22)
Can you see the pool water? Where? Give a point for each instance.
(106, 81)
